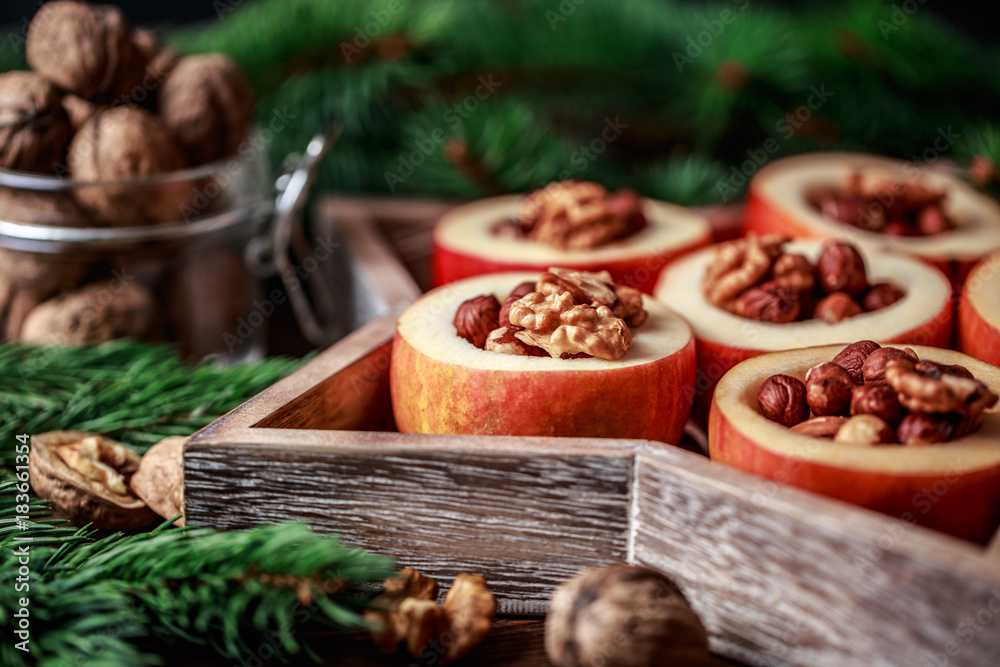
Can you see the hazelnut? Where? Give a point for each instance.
(852, 358)
(476, 318)
(770, 302)
(918, 428)
(840, 268)
(208, 105)
(623, 616)
(874, 366)
(519, 291)
(866, 430)
(836, 307)
(782, 398)
(828, 389)
(881, 295)
(877, 399)
(820, 427)
(120, 144)
(34, 128)
(84, 49)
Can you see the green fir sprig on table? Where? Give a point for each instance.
(123, 598)
(128, 599)
(132, 392)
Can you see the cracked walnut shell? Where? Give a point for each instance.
(86, 476)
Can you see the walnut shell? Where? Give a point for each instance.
(93, 314)
(34, 128)
(159, 481)
(15, 304)
(79, 110)
(121, 144)
(208, 104)
(84, 49)
(623, 616)
(83, 489)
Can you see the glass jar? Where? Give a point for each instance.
(160, 258)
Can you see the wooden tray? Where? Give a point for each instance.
(780, 576)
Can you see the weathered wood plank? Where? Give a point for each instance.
(783, 577)
(526, 513)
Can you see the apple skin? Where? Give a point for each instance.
(716, 359)
(449, 265)
(962, 503)
(647, 401)
(762, 217)
(979, 332)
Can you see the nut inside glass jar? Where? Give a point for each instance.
(166, 265)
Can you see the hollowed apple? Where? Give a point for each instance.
(953, 487)
(979, 312)
(779, 200)
(465, 245)
(924, 316)
(441, 383)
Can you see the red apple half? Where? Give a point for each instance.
(779, 201)
(465, 246)
(441, 383)
(953, 487)
(979, 312)
(923, 317)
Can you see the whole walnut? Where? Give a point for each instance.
(623, 616)
(34, 128)
(121, 144)
(93, 314)
(208, 105)
(83, 49)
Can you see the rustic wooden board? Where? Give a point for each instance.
(525, 513)
(780, 576)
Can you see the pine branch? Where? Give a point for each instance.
(134, 392)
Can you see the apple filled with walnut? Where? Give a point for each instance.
(563, 353)
(876, 202)
(764, 294)
(979, 312)
(910, 432)
(577, 225)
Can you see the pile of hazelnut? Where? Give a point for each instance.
(873, 395)
(892, 207)
(565, 314)
(576, 215)
(754, 277)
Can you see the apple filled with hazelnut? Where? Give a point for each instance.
(574, 224)
(564, 353)
(763, 294)
(911, 432)
(979, 312)
(876, 202)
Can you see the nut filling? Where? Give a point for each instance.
(755, 278)
(576, 215)
(877, 203)
(870, 395)
(565, 314)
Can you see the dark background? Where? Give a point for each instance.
(976, 17)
